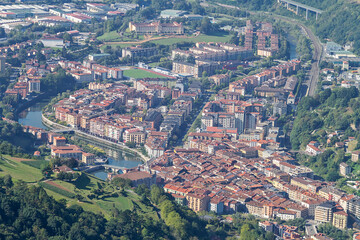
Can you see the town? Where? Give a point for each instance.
(228, 118)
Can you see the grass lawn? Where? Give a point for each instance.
(114, 36)
(110, 36)
(138, 73)
(36, 163)
(352, 145)
(19, 170)
(121, 203)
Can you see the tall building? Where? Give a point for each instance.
(345, 169)
(34, 86)
(340, 219)
(198, 202)
(324, 212)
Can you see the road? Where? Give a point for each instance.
(310, 227)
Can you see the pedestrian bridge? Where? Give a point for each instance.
(113, 168)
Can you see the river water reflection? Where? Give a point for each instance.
(32, 117)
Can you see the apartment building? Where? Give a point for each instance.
(198, 202)
(134, 135)
(88, 158)
(138, 52)
(196, 69)
(340, 219)
(345, 169)
(324, 213)
(220, 79)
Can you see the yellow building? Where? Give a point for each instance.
(198, 202)
(340, 219)
(134, 135)
(88, 158)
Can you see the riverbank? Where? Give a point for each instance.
(98, 140)
(30, 103)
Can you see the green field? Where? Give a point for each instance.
(115, 36)
(139, 73)
(36, 163)
(110, 36)
(86, 185)
(19, 170)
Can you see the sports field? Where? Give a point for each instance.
(139, 73)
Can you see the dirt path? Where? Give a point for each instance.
(21, 159)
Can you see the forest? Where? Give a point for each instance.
(327, 111)
(14, 141)
(319, 116)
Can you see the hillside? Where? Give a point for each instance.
(97, 196)
(328, 118)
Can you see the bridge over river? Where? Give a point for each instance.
(113, 168)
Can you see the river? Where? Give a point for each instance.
(32, 117)
(292, 43)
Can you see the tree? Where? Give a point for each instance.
(71, 163)
(190, 59)
(61, 175)
(156, 193)
(7, 180)
(234, 39)
(79, 197)
(206, 26)
(40, 57)
(67, 37)
(133, 109)
(122, 182)
(46, 170)
(130, 144)
(2, 33)
(148, 13)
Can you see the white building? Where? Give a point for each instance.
(312, 149)
(52, 42)
(83, 77)
(34, 86)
